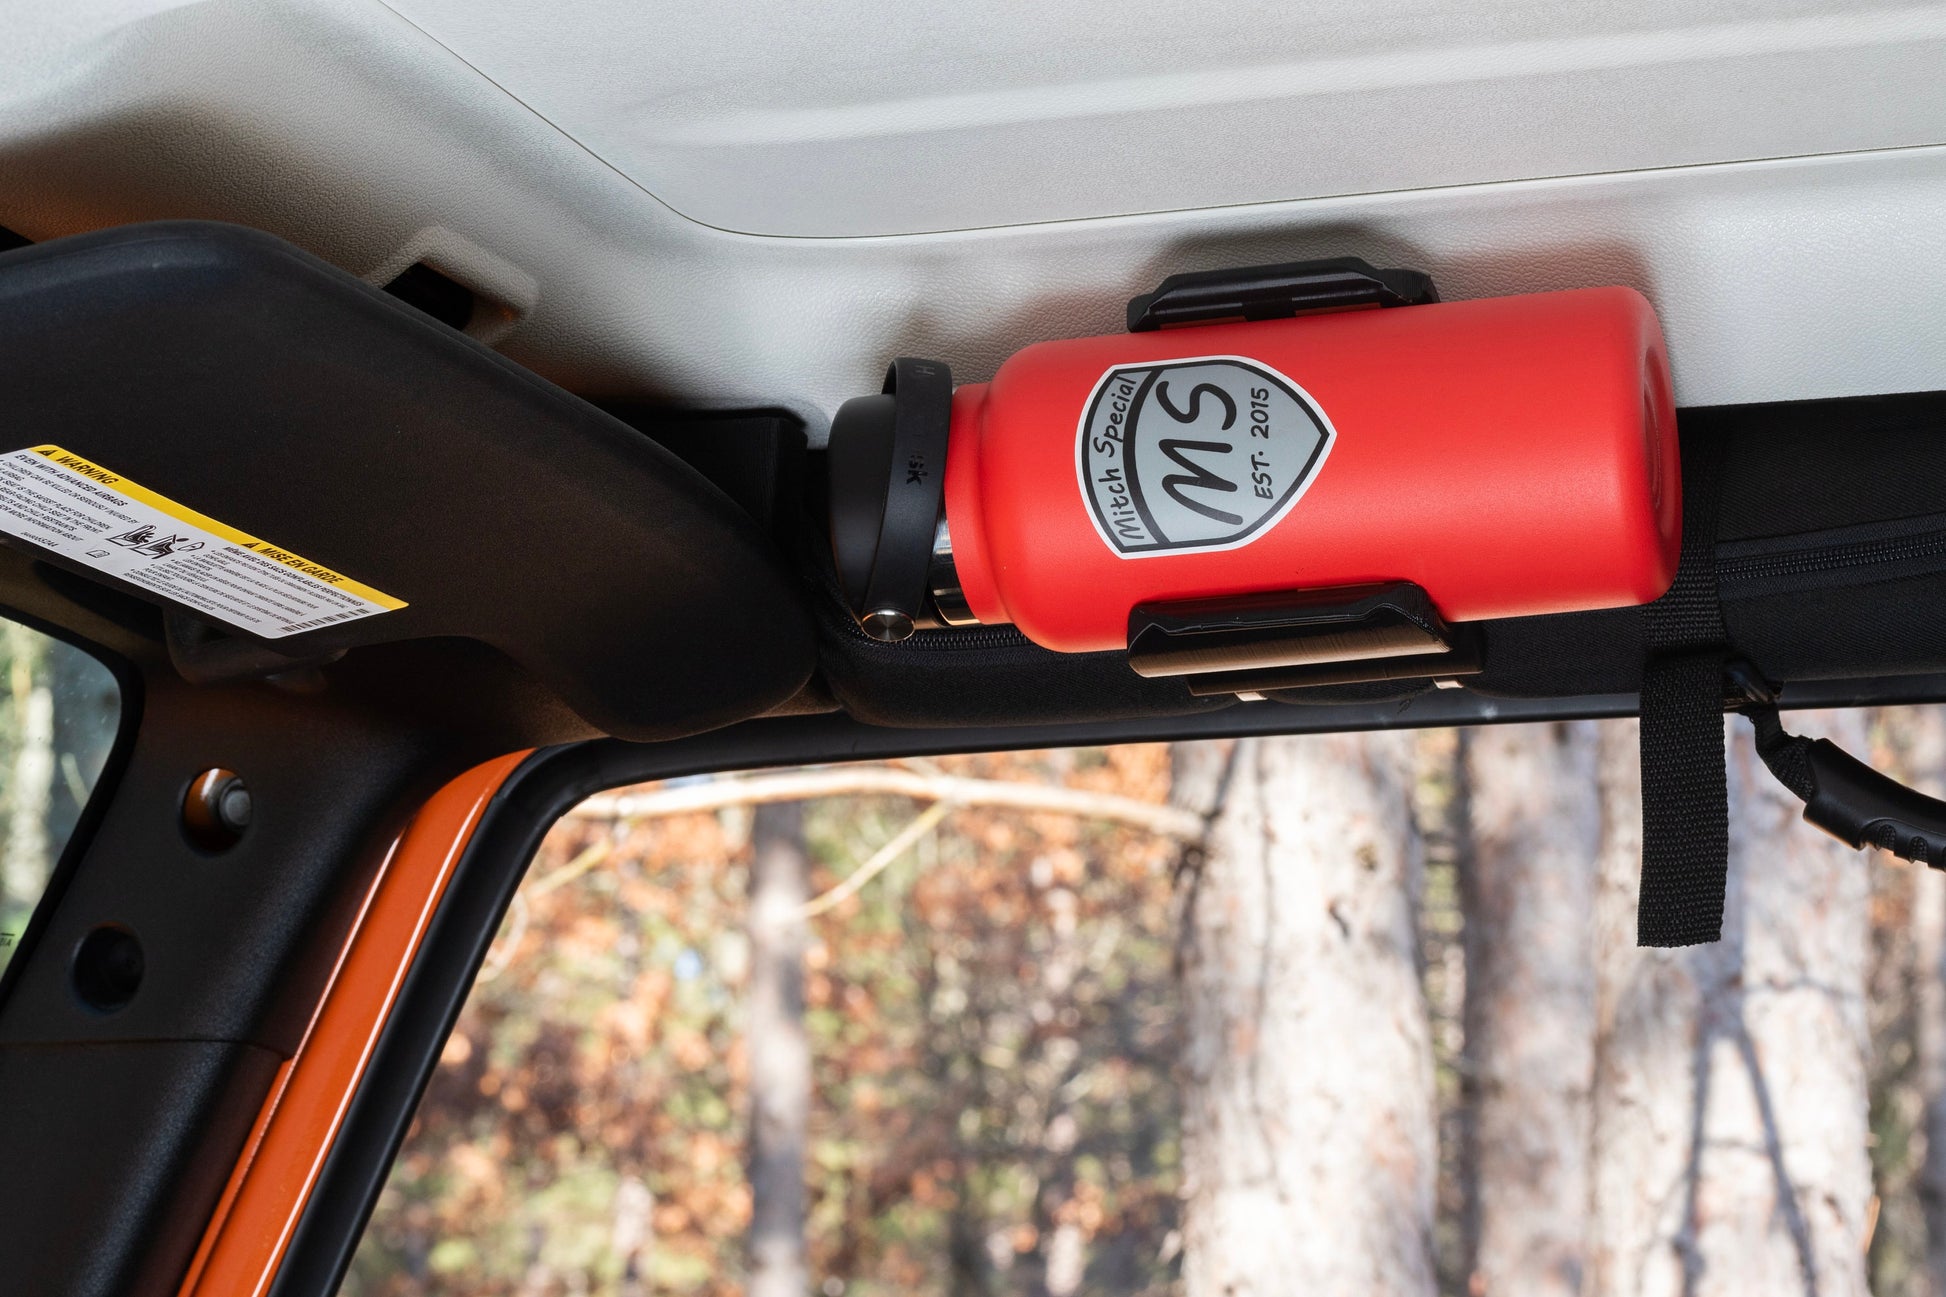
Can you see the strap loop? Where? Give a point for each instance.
(1685, 802)
(1685, 793)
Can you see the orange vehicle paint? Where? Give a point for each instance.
(266, 1193)
(1512, 456)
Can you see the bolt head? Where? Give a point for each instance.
(887, 625)
(233, 808)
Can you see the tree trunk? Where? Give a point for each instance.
(1529, 889)
(632, 1237)
(1730, 1103)
(1929, 936)
(780, 1053)
(1308, 1124)
(1928, 766)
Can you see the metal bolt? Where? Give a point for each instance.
(217, 809)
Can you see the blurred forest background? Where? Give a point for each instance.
(1355, 1014)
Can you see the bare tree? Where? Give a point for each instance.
(1309, 1141)
(1929, 937)
(780, 1052)
(1730, 1103)
(1528, 889)
(1926, 761)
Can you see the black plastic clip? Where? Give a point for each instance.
(1257, 643)
(1745, 687)
(1275, 292)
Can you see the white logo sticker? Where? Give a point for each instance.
(1189, 456)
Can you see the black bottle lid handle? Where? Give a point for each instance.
(915, 487)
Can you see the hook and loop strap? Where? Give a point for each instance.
(1685, 798)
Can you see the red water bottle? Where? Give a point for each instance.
(1263, 485)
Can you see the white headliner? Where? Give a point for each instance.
(585, 162)
(888, 117)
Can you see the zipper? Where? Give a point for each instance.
(1829, 553)
(949, 640)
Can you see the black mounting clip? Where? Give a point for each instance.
(1256, 643)
(1276, 292)
(1292, 640)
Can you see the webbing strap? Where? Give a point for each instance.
(1685, 802)
(1787, 756)
(1685, 796)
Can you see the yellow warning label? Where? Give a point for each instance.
(77, 508)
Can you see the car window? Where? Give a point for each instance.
(974, 999)
(1361, 1012)
(59, 713)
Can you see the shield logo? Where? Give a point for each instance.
(1194, 455)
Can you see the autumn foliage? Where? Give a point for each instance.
(993, 1029)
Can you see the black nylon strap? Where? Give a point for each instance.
(1685, 803)
(1788, 756)
(1685, 797)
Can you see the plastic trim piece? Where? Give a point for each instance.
(392, 452)
(303, 1112)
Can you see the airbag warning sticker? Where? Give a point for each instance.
(84, 513)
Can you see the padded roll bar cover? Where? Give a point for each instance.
(248, 380)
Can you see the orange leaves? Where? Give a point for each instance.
(710, 1152)
(689, 1048)
(985, 1016)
